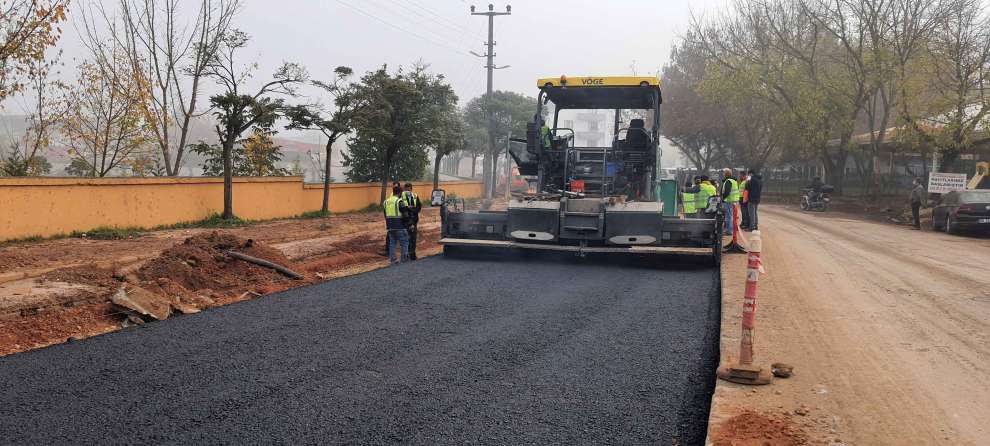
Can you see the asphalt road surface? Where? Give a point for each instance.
(439, 351)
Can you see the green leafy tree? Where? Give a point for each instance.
(17, 164)
(364, 160)
(236, 111)
(334, 121)
(510, 111)
(453, 139)
(255, 156)
(401, 118)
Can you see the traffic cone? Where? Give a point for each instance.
(743, 371)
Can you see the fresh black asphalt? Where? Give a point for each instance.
(439, 351)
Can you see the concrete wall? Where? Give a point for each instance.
(52, 206)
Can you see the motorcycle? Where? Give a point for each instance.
(816, 201)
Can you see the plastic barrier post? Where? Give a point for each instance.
(744, 372)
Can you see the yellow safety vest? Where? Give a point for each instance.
(410, 198)
(734, 193)
(545, 137)
(391, 205)
(701, 198)
(688, 199)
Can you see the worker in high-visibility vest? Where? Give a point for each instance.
(706, 190)
(688, 198)
(546, 137)
(412, 225)
(396, 212)
(730, 198)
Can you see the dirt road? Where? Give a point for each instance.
(889, 330)
(463, 352)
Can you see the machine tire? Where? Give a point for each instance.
(804, 204)
(950, 227)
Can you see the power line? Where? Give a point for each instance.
(440, 17)
(457, 74)
(414, 14)
(459, 51)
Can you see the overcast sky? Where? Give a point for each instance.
(539, 39)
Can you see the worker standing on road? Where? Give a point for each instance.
(396, 212)
(754, 192)
(395, 184)
(917, 201)
(730, 198)
(412, 225)
(688, 197)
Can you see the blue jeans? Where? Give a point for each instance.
(729, 215)
(402, 236)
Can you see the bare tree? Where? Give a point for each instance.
(946, 88)
(103, 123)
(173, 54)
(27, 29)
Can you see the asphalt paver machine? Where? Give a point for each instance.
(603, 197)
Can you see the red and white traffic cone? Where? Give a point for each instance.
(734, 247)
(744, 372)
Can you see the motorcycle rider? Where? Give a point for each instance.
(816, 187)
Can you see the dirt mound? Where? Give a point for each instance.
(754, 429)
(201, 263)
(89, 275)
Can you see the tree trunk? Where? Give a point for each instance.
(326, 179)
(385, 170)
(474, 166)
(949, 157)
(228, 183)
(436, 171)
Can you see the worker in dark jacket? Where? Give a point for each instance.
(917, 201)
(412, 225)
(396, 213)
(754, 191)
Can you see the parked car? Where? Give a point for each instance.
(963, 210)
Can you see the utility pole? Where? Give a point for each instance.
(488, 170)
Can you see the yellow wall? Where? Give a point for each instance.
(52, 206)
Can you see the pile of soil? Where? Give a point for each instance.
(200, 266)
(751, 428)
(89, 275)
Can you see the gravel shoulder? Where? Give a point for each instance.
(438, 351)
(888, 330)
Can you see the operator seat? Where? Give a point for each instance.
(636, 136)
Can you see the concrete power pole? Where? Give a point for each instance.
(488, 170)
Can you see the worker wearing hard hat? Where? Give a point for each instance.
(412, 223)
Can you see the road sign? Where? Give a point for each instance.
(940, 183)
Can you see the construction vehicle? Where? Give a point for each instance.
(607, 198)
(981, 179)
